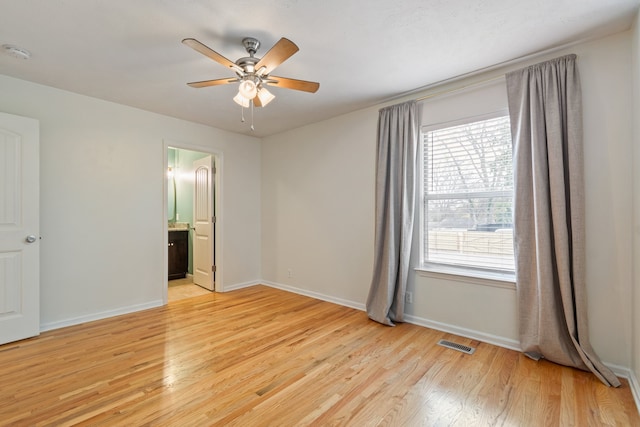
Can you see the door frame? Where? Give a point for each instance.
(218, 158)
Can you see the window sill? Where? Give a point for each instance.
(476, 277)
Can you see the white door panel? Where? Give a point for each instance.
(203, 236)
(19, 228)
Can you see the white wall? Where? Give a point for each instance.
(636, 207)
(318, 199)
(318, 192)
(606, 79)
(102, 200)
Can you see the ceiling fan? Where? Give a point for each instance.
(253, 73)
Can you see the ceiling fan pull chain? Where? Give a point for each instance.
(242, 114)
(252, 128)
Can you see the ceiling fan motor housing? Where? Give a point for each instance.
(248, 64)
(251, 45)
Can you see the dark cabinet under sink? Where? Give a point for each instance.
(178, 254)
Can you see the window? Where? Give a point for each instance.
(468, 194)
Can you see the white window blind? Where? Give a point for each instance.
(468, 195)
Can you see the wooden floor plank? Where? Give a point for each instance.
(261, 356)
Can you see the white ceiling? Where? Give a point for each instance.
(361, 52)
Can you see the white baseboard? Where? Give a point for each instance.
(630, 376)
(236, 286)
(464, 332)
(316, 295)
(468, 333)
(98, 316)
(620, 371)
(635, 388)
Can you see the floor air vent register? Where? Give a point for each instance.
(456, 346)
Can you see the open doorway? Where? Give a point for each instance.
(191, 222)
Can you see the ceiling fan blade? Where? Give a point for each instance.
(279, 53)
(287, 83)
(207, 83)
(210, 53)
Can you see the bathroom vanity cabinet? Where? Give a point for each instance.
(178, 253)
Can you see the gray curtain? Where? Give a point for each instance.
(396, 159)
(545, 105)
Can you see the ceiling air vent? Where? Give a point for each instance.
(456, 346)
(16, 52)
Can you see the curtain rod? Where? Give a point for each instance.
(459, 88)
(499, 66)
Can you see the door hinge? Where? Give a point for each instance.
(213, 219)
(213, 268)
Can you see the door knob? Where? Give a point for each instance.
(31, 238)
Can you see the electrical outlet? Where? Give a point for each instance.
(408, 297)
(290, 273)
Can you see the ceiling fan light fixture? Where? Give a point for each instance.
(241, 100)
(248, 89)
(265, 96)
(261, 71)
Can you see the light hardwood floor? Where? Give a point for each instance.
(264, 357)
(180, 289)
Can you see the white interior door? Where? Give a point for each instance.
(203, 222)
(19, 228)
